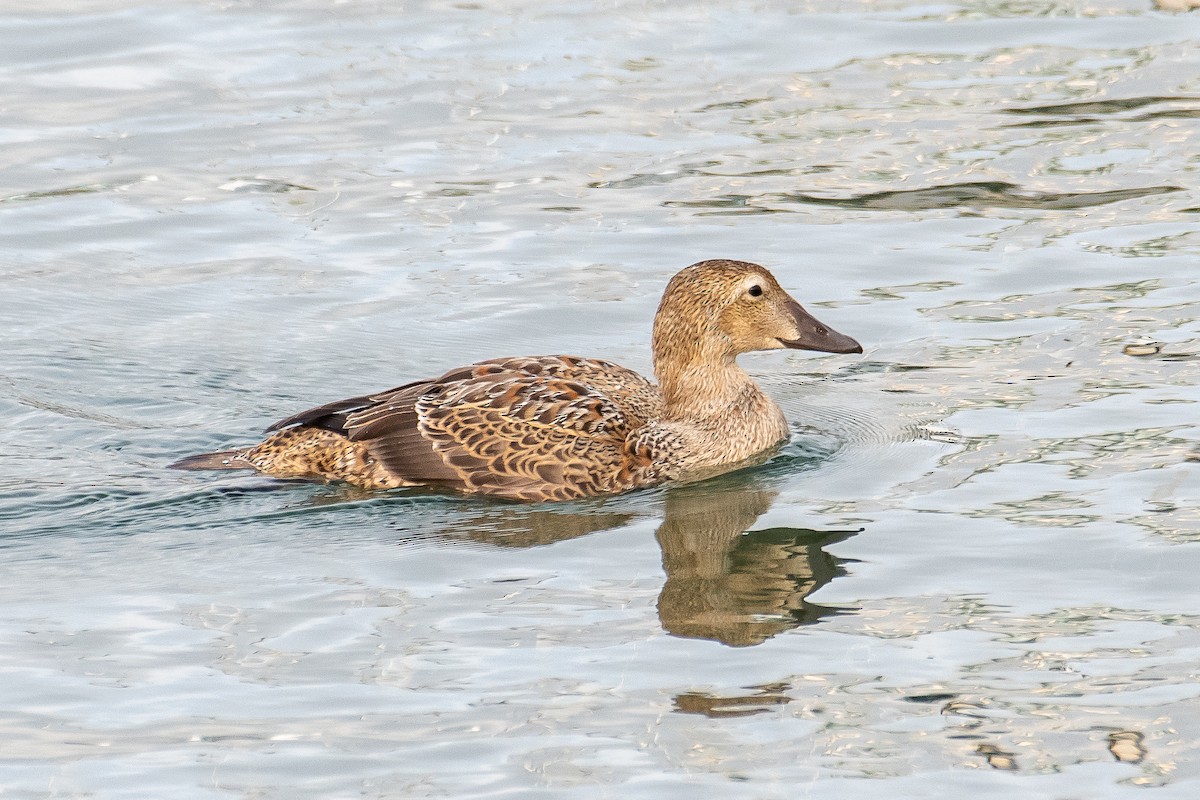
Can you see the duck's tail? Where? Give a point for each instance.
(307, 453)
(225, 459)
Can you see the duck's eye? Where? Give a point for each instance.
(755, 290)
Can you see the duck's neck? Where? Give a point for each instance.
(696, 385)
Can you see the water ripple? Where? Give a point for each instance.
(997, 194)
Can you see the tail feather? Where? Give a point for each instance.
(306, 453)
(225, 459)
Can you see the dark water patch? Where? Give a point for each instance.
(66, 191)
(1098, 106)
(640, 179)
(1170, 113)
(1093, 112)
(732, 105)
(984, 194)
(936, 697)
(462, 188)
(261, 185)
(996, 194)
(1054, 123)
(869, 367)
(731, 203)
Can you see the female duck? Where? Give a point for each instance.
(562, 427)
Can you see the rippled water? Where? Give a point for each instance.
(973, 570)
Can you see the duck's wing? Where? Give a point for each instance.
(332, 416)
(536, 428)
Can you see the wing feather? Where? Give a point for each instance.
(530, 428)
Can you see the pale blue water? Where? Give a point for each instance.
(972, 572)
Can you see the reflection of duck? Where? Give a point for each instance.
(515, 526)
(733, 585)
(724, 582)
(561, 427)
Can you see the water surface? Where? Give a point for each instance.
(971, 571)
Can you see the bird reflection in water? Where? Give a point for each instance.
(725, 582)
(733, 585)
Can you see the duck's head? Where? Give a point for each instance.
(716, 310)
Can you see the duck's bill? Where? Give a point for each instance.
(815, 335)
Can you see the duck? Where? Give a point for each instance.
(563, 427)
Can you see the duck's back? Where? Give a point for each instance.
(529, 428)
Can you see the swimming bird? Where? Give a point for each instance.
(560, 427)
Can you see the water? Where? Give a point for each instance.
(972, 571)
